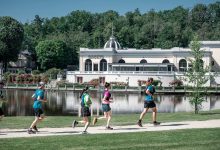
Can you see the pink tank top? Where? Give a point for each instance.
(107, 96)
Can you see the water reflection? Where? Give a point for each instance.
(19, 103)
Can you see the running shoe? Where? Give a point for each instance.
(74, 123)
(109, 128)
(139, 124)
(95, 121)
(35, 128)
(156, 123)
(30, 131)
(84, 132)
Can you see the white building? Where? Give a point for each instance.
(114, 64)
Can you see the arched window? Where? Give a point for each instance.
(165, 61)
(103, 65)
(182, 65)
(143, 61)
(121, 61)
(199, 65)
(88, 65)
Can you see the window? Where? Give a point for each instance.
(213, 63)
(102, 80)
(95, 67)
(143, 61)
(79, 79)
(165, 61)
(88, 65)
(103, 65)
(121, 61)
(182, 65)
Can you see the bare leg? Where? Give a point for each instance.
(86, 122)
(109, 116)
(103, 117)
(154, 114)
(143, 113)
(34, 123)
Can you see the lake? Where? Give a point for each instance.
(66, 103)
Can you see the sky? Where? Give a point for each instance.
(25, 10)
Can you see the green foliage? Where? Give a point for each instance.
(21, 72)
(35, 72)
(6, 76)
(196, 75)
(53, 53)
(157, 82)
(176, 82)
(11, 37)
(52, 73)
(164, 29)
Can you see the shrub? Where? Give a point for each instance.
(176, 82)
(156, 82)
(35, 72)
(52, 73)
(94, 82)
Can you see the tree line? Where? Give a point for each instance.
(55, 42)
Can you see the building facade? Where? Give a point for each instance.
(114, 64)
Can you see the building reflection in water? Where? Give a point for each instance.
(19, 103)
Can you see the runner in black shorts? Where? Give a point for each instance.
(149, 103)
(38, 97)
(85, 110)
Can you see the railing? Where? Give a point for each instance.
(122, 72)
(134, 72)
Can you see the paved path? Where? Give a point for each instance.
(12, 133)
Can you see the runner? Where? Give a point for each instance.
(85, 110)
(38, 97)
(1, 89)
(2, 100)
(149, 103)
(106, 107)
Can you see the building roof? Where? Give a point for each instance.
(112, 43)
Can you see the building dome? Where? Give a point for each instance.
(112, 43)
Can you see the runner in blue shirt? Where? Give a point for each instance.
(149, 103)
(38, 97)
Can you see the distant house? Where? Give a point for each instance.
(25, 62)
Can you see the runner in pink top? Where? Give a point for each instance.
(107, 96)
(106, 100)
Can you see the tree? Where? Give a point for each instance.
(11, 37)
(197, 74)
(53, 53)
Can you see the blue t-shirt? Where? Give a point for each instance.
(149, 97)
(38, 104)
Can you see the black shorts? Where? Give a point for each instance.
(150, 104)
(1, 112)
(85, 112)
(38, 112)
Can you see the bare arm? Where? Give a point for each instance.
(42, 100)
(148, 92)
(110, 99)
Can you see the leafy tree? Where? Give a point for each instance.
(197, 74)
(52, 73)
(153, 29)
(11, 37)
(53, 53)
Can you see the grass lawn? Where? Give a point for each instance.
(190, 139)
(123, 119)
